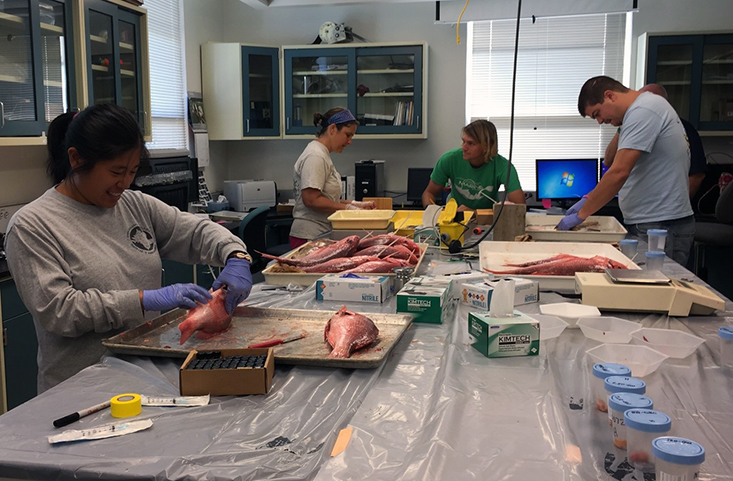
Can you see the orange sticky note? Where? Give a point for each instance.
(341, 441)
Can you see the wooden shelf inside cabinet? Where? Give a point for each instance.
(13, 79)
(675, 62)
(718, 62)
(389, 94)
(127, 47)
(100, 68)
(675, 82)
(318, 96)
(52, 83)
(51, 30)
(717, 82)
(299, 73)
(12, 24)
(127, 73)
(384, 71)
(97, 39)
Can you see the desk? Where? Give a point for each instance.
(436, 409)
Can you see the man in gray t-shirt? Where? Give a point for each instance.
(650, 169)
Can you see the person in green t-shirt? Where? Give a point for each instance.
(475, 171)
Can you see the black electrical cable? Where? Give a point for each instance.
(457, 248)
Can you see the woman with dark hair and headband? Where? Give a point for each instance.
(86, 255)
(316, 183)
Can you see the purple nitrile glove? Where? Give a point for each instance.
(577, 206)
(569, 221)
(238, 279)
(176, 295)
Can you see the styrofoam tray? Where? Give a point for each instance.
(360, 219)
(306, 279)
(610, 229)
(494, 256)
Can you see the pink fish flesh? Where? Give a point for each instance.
(563, 265)
(393, 251)
(339, 264)
(343, 248)
(348, 331)
(208, 319)
(381, 265)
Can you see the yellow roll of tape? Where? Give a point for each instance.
(126, 405)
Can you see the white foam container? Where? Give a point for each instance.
(607, 328)
(609, 229)
(673, 343)
(495, 256)
(642, 360)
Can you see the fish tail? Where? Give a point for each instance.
(186, 329)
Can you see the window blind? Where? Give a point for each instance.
(167, 75)
(556, 56)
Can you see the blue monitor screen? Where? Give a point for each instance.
(566, 178)
(604, 169)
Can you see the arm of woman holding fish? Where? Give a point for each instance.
(316, 183)
(86, 255)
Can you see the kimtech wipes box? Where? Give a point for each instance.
(352, 287)
(478, 294)
(427, 297)
(504, 336)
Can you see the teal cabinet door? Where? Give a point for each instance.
(21, 369)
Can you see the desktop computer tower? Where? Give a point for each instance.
(369, 179)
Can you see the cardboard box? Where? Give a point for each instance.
(504, 337)
(230, 381)
(427, 297)
(478, 294)
(458, 280)
(351, 287)
(284, 208)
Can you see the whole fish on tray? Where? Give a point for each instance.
(349, 331)
(208, 319)
(343, 248)
(561, 265)
(388, 239)
(393, 251)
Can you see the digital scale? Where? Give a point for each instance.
(645, 291)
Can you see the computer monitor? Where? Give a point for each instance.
(418, 179)
(604, 169)
(565, 179)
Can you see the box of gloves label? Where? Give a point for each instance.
(478, 294)
(518, 335)
(428, 297)
(353, 287)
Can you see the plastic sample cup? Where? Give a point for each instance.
(614, 384)
(629, 247)
(654, 260)
(642, 426)
(601, 371)
(618, 404)
(726, 345)
(656, 239)
(677, 458)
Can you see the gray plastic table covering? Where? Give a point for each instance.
(437, 409)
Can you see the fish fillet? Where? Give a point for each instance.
(208, 319)
(349, 331)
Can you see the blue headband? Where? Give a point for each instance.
(341, 118)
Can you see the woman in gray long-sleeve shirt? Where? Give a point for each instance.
(86, 255)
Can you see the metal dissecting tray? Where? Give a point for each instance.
(603, 229)
(273, 277)
(252, 325)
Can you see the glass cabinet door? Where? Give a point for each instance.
(316, 81)
(34, 65)
(101, 58)
(261, 94)
(716, 101)
(674, 71)
(388, 89)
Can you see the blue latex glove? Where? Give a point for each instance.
(238, 279)
(569, 221)
(177, 295)
(577, 206)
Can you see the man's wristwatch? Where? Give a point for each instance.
(239, 255)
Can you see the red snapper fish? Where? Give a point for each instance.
(208, 319)
(339, 264)
(343, 248)
(347, 332)
(393, 251)
(562, 265)
(378, 266)
(388, 239)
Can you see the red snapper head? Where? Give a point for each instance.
(352, 241)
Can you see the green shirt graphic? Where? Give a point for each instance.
(471, 186)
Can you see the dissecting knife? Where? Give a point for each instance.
(277, 341)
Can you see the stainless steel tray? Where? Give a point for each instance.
(252, 325)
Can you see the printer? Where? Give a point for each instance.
(244, 195)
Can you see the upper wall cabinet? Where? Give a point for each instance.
(116, 59)
(383, 85)
(36, 66)
(241, 90)
(697, 72)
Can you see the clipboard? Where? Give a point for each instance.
(637, 276)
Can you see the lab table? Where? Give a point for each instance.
(435, 409)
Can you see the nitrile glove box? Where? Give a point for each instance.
(459, 279)
(518, 335)
(427, 297)
(478, 294)
(353, 288)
